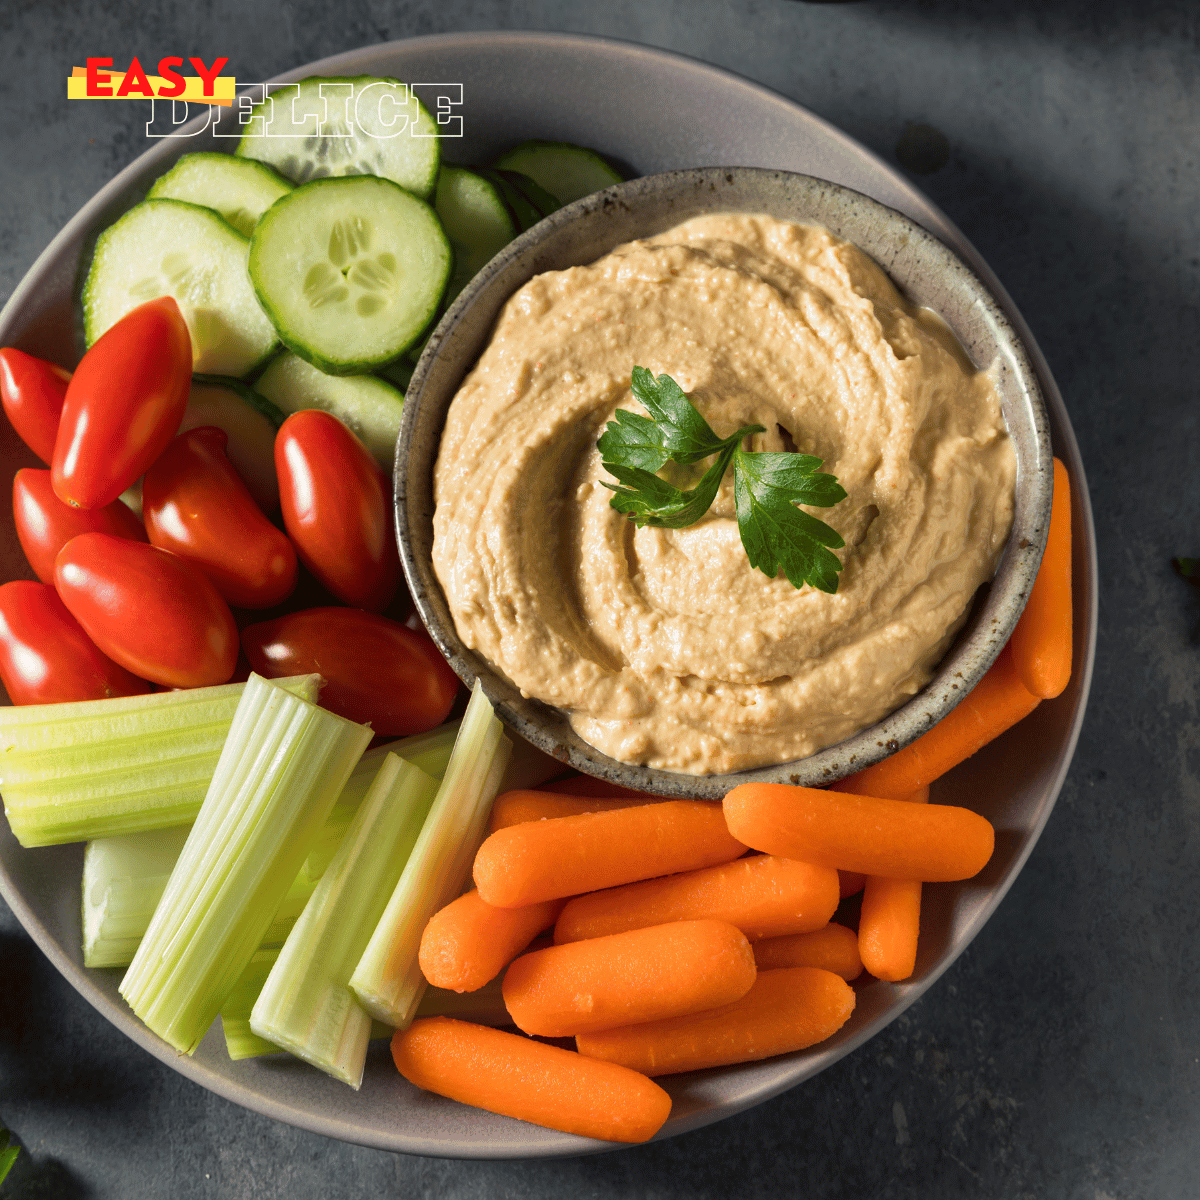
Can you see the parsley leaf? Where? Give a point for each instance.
(767, 486)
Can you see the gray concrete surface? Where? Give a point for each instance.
(1060, 1057)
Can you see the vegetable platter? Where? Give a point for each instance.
(606, 94)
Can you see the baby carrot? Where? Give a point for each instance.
(627, 978)
(996, 703)
(888, 927)
(832, 948)
(525, 804)
(470, 942)
(860, 833)
(517, 1077)
(1041, 643)
(764, 896)
(563, 856)
(890, 921)
(787, 1009)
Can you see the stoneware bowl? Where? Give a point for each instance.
(925, 270)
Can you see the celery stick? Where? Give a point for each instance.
(388, 979)
(240, 1040)
(306, 1005)
(429, 751)
(283, 765)
(94, 768)
(123, 880)
(124, 876)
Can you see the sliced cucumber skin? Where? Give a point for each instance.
(240, 189)
(368, 406)
(284, 251)
(567, 171)
(477, 221)
(246, 394)
(292, 154)
(230, 333)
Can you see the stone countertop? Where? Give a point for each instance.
(1060, 1055)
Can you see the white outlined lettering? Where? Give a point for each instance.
(377, 110)
(158, 117)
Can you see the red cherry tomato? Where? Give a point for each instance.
(337, 509)
(47, 658)
(45, 524)
(148, 609)
(32, 390)
(123, 405)
(376, 671)
(195, 504)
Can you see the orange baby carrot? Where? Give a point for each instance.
(505, 1073)
(563, 856)
(860, 833)
(1042, 641)
(525, 804)
(469, 942)
(832, 948)
(785, 1010)
(627, 978)
(996, 703)
(888, 927)
(763, 895)
(889, 922)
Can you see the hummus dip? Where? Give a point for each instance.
(663, 646)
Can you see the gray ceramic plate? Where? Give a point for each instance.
(608, 94)
(926, 271)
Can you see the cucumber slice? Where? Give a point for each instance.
(172, 248)
(398, 373)
(227, 404)
(525, 212)
(349, 270)
(365, 404)
(240, 189)
(477, 221)
(566, 171)
(346, 125)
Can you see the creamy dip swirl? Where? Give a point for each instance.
(664, 646)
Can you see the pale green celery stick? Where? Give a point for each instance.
(240, 1040)
(283, 765)
(95, 768)
(388, 979)
(123, 880)
(483, 1007)
(306, 1005)
(429, 751)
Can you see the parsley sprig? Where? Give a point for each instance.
(766, 486)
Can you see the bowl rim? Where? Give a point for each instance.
(462, 333)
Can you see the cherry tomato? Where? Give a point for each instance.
(47, 658)
(195, 505)
(375, 670)
(337, 509)
(45, 524)
(148, 609)
(32, 390)
(123, 405)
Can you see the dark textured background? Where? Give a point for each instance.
(1060, 1056)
